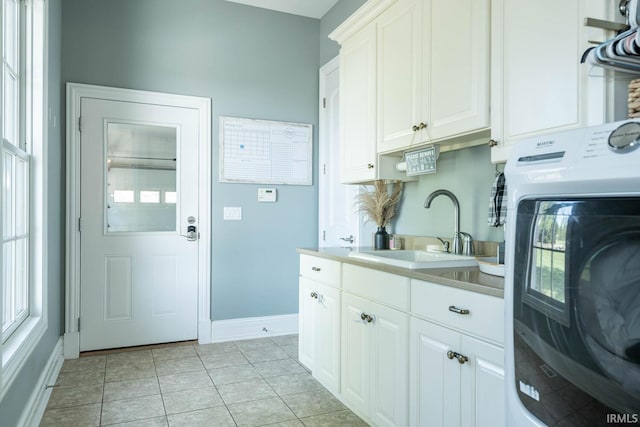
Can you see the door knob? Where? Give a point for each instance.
(347, 239)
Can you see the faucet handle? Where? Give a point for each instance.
(467, 244)
(445, 245)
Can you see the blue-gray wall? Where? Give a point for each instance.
(467, 173)
(12, 405)
(252, 63)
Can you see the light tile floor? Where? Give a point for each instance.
(242, 383)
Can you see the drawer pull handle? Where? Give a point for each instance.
(461, 359)
(314, 295)
(366, 317)
(315, 268)
(454, 309)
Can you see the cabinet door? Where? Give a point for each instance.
(306, 321)
(327, 334)
(434, 398)
(538, 83)
(483, 391)
(358, 106)
(389, 366)
(356, 350)
(456, 63)
(399, 83)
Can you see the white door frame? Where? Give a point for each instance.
(75, 92)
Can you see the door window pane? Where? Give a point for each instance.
(11, 33)
(141, 165)
(10, 108)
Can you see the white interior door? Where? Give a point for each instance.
(138, 204)
(338, 219)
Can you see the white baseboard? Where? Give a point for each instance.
(35, 407)
(253, 327)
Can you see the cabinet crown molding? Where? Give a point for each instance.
(359, 19)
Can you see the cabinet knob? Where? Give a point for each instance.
(493, 143)
(461, 358)
(315, 268)
(366, 317)
(457, 310)
(314, 295)
(418, 127)
(370, 166)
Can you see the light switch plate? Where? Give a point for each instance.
(266, 194)
(232, 213)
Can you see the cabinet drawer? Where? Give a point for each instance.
(485, 316)
(320, 269)
(387, 288)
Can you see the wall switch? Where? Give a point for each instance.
(232, 213)
(266, 194)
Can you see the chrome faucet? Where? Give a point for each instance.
(457, 242)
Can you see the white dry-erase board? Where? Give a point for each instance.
(265, 151)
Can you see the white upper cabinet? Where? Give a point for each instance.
(358, 106)
(538, 84)
(433, 71)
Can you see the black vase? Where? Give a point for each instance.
(381, 239)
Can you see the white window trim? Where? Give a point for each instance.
(15, 352)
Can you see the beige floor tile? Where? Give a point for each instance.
(340, 418)
(130, 371)
(80, 378)
(291, 384)
(129, 357)
(290, 423)
(128, 410)
(285, 340)
(63, 397)
(77, 416)
(312, 403)
(276, 368)
(91, 363)
(252, 344)
(149, 422)
(191, 400)
(233, 374)
(178, 366)
(261, 412)
(178, 352)
(216, 348)
(222, 360)
(212, 417)
(119, 390)
(265, 354)
(246, 391)
(185, 381)
(291, 350)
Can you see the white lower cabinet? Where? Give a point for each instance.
(375, 343)
(455, 379)
(319, 327)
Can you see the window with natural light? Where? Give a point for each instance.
(23, 191)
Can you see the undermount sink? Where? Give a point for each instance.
(414, 259)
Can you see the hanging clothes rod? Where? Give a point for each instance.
(605, 25)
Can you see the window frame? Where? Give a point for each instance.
(20, 345)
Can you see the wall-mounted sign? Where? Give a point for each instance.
(422, 161)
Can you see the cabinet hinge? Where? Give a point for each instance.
(324, 102)
(324, 235)
(79, 124)
(78, 324)
(324, 169)
(79, 224)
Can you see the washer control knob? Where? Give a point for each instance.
(625, 138)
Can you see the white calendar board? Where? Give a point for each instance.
(265, 152)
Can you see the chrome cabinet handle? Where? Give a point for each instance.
(315, 268)
(348, 239)
(455, 309)
(493, 143)
(314, 295)
(369, 165)
(461, 359)
(366, 317)
(416, 128)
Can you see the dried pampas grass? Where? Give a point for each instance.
(379, 205)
